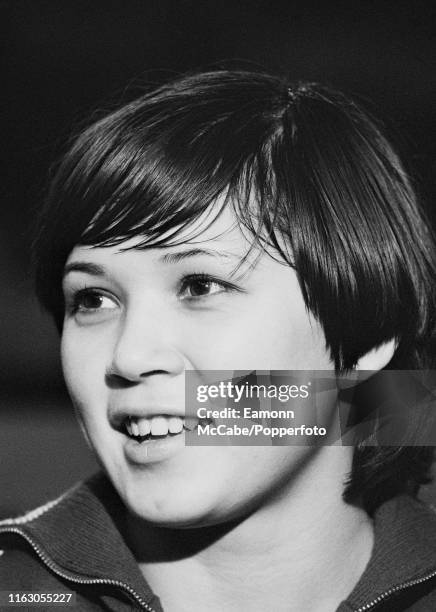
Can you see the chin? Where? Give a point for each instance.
(175, 515)
(171, 507)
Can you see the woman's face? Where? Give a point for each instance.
(137, 320)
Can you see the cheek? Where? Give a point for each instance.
(279, 333)
(83, 364)
(269, 333)
(84, 359)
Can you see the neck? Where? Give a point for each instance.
(270, 559)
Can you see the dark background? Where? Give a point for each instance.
(62, 59)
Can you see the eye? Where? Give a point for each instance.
(197, 286)
(90, 301)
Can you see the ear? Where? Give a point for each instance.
(378, 358)
(368, 365)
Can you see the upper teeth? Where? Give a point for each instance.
(157, 425)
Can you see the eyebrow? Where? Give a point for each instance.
(168, 258)
(86, 267)
(181, 255)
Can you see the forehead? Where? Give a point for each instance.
(217, 230)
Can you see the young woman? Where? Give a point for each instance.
(231, 221)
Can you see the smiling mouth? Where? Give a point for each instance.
(158, 427)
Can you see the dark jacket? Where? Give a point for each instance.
(73, 544)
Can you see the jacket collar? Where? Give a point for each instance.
(404, 550)
(80, 533)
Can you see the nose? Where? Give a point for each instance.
(145, 345)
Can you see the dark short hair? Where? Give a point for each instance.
(296, 161)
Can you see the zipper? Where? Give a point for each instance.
(148, 608)
(395, 589)
(49, 563)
